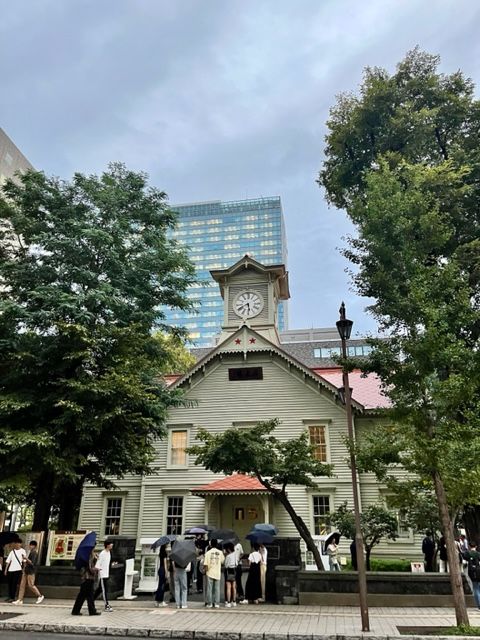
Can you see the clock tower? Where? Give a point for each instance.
(251, 292)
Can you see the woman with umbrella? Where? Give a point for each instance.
(86, 560)
(253, 588)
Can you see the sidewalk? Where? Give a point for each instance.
(245, 622)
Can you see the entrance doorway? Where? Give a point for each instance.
(240, 513)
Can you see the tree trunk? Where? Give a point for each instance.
(368, 551)
(69, 498)
(452, 552)
(471, 521)
(302, 528)
(43, 502)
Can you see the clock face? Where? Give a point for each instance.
(248, 304)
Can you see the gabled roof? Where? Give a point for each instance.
(247, 262)
(240, 343)
(366, 388)
(238, 483)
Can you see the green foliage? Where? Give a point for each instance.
(177, 358)
(86, 267)
(390, 564)
(461, 630)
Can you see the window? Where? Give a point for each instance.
(175, 516)
(246, 373)
(112, 516)
(178, 447)
(319, 441)
(321, 509)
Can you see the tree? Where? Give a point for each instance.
(377, 523)
(416, 504)
(276, 464)
(178, 358)
(403, 159)
(85, 267)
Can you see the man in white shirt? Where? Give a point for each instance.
(103, 565)
(13, 569)
(212, 563)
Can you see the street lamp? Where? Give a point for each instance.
(344, 327)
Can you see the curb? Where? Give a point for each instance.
(195, 635)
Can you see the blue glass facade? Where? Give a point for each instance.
(218, 234)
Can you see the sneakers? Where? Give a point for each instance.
(162, 604)
(234, 604)
(216, 606)
(209, 606)
(17, 602)
(108, 608)
(40, 599)
(228, 604)
(244, 601)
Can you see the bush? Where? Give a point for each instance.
(388, 564)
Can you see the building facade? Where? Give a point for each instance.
(11, 158)
(219, 233)
(248, 377)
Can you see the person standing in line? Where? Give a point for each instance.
(162, 577)
(181, 584)
(428, 550)
(253, 587)
(238, 572)
(14, 569)
(442, 554)
(472, 557)
(103, 566)
(332, 552)
(201, 545)
(213, 561)
(230, 576)
(87, 575)
(263, 568)
(353, 554)
(28, 578)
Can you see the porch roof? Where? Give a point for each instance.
(236, 484)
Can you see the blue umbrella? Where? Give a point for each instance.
(84, 550)
(260, 537)
(266, 528)
(163, 540)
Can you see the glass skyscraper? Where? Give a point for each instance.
(218, 234)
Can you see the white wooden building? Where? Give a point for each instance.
(246, 378)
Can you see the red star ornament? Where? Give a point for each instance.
(252, 340)
(238, 341)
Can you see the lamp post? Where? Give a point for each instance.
(344, 327)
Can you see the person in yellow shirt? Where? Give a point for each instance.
(214, 558)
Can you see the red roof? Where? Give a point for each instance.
(236, 483)
(366, 389)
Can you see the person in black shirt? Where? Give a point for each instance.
(428, 550)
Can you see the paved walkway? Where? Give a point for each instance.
(245, 622)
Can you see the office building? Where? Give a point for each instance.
(11, 158)
(219, 233)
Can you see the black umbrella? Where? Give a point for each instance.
(335, 535)
(163, 540)
(225, 535)
(266, 528)
(7, 537)
(260, 537)
(206, 527)
(183, 552)
(194, 531)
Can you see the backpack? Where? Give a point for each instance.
(474, 567)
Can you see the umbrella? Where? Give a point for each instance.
(7, 537)
(85, 549)
(266, 528)
(335, 535)
(226, 535)
(260, 537)
(183, 552)
(207, 527)
(162, 540)
(195, 530)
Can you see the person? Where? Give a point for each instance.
(442, 555)
(353, 554)
(28, 578)
(253, 587)
(201, 545)
(428, 550)
(212, 562)
(263, 568)
(162, 578)
(103, 566)
(230, 576)
(181, 584)
(332, 553)
(14, 569)
(88, 574)
(472, 556)
(238, 572)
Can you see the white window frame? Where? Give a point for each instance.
(106, 498)
(177, 494)
(320, 423)
(313, 494)
(175, 429)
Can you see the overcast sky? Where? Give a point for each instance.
(216, 99)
